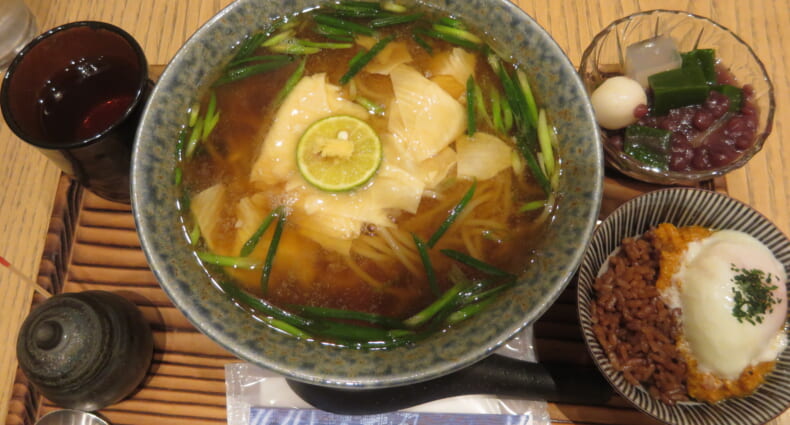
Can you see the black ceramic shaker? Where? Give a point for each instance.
(85, 350)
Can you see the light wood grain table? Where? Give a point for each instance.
(28, 181)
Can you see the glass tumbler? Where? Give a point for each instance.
(17, 27)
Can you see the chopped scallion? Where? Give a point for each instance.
(262, 306)
(453, 215)
(323, 45)
(441, 303)
(343, 24)
(422, 43)
(267, 265)
(507, 116)
(194, 113)
(468, 311)
(430, 32)
(333, 313)
(291, 82)
(178, 174)
(194, 138)
(544, 139)
(368, 104)
(286, 327)
(496, 111)
(212, 116)
(357, 57)
(363, 60)
(458, 33)
(394, 20)
(471, 115)
(328, 30)
(252, 242)
(248, 46)
(523, 145)
(532, 206)
(392, 6)
(452, 23)
(278, 38)
(248, 71)
(529, 99)
(225, 261)
(294, 47)
(194, 235)
(475, 263)
(422, 249)
(480, 104)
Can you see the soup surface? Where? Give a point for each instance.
(460, 187)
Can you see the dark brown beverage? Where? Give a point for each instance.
(76, 92)
(88, 97)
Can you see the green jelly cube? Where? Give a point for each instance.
(705, 59)
(677, 88)
(648, 145)
(734, 93)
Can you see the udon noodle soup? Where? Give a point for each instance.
(365, 174)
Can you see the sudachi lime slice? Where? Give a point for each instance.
(338, 153)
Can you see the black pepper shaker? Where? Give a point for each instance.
(85, 350)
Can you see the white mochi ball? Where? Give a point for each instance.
(614, 102)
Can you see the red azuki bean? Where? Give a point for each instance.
(721, 154)
(680, 158)
(640, 111)
(743, 143)
(737, 127)
(717, 104)
(700, 161)
(703, 119)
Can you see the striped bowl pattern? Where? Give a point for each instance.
(684, 207)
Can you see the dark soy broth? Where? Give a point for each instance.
(86, 98)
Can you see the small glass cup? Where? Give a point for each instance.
(17, 27)
(76, 93)
(604, 58)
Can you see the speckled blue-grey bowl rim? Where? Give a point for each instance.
(154, 198)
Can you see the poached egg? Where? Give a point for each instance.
(728, 338)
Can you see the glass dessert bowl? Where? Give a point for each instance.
(679, 98)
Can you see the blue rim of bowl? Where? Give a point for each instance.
(585, 194)
(625, 163)
(685, 206)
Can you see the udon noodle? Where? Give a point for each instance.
(376, 248)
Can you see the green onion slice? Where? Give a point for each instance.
(267, 265)
(363, 59)
(453, 215)
(476, 264)
(252, 242)
(426, 262)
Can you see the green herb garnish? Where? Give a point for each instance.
(753, 295)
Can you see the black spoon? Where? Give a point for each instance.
(497, 375)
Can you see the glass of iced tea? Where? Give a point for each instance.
(76, 93)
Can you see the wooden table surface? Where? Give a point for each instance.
(29, 181)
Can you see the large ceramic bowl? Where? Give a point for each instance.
(154, 198)
(685, 207)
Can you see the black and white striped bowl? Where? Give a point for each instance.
(685, 207)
